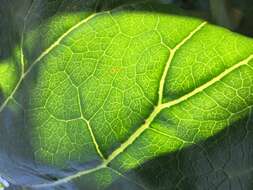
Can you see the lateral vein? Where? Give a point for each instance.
(89, 127)
(209, 83)
(94, 140)
(171, 56)
(57, 42)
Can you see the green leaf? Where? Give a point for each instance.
(104, 98)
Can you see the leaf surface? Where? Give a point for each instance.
(101, 94)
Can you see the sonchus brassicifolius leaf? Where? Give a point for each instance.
(89, 97)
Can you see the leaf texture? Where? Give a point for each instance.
(93, 97)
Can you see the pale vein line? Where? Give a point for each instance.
(94, 140)
(249, 120)
(167, 135)
(127, 178)
(42, 55)
(171, 56)
(69, 178)
(89, 127)
(135, 135)
(208, 84)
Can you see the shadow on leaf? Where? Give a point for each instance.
(222, 162)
